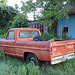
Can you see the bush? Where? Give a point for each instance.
(6, 14)
(18, 22)
(2, 33)
(32, 69)
(47, 35)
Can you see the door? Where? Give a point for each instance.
(64, 32)
(9, 44)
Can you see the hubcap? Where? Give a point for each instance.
(31, 59)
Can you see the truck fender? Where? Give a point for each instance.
(26, 53)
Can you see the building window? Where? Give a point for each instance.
(65, 32)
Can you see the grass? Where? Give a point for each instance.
(16, 66)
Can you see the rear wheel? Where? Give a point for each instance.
(32, 57)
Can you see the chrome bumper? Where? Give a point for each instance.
(63, 58)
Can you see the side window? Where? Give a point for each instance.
(10, 35)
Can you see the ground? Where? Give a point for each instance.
(16, 66)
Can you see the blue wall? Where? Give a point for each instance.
(70, 22)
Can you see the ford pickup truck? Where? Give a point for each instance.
(27, 43)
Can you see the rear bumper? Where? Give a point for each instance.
(63, 58)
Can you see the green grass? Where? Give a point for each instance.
(16, 66)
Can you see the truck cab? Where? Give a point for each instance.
(22, 34)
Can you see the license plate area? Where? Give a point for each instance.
(65, 57)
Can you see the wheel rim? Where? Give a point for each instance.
(31, 59)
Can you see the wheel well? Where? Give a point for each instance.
(26, 53)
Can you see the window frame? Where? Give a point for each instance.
(8, 34)
(27, 30)
(62, 32)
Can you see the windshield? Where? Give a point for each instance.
(26, 34)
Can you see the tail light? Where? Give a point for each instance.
(51, 50)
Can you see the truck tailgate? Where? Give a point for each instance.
(63, 47)
(62, 51)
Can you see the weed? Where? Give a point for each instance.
(32, 69)
(16, 66)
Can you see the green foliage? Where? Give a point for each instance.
(16, 66)
(27, 7)
(2, 31)
(22, 70)
(19, 21)
(2, 55)
(32, 69)
(3, 35)
(51, 11)
(65, 35)
(72, 2)
(47, 35)
(6, 14)
(70, 36)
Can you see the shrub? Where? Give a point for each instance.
(2, 31)
(18, 22)
(32, 69)
(47, 35)
(2, 55)
(6, 14)
(22, 70)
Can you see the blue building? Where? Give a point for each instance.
(67, 26)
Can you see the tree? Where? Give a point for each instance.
(52, 10)
(27, 7)
(72, 2)
(4, 2)
(6, 14)
(31, 7)
(18, 21)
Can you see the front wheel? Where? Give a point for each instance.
(32, 57)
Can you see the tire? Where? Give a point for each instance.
(32, 57)
(38, 38)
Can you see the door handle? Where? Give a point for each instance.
(14, 41)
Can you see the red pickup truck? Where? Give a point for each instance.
(27, 43)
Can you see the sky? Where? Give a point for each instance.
(13, 2)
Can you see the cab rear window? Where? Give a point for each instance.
(26, 34)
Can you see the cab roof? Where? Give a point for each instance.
(24, 29)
